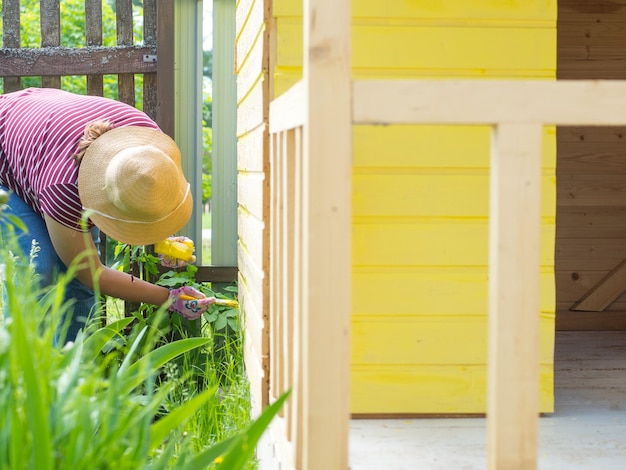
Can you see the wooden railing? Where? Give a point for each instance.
(516, 112)
(310, 246)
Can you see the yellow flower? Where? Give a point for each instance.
(219, 459)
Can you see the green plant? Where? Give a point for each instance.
(110, 399)
(222, 320)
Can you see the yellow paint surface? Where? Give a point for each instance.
(420, 201)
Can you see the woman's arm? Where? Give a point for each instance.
(73, 246)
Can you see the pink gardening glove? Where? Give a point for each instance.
(172, 262)
(189, 302)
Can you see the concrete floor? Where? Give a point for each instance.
(587, 430)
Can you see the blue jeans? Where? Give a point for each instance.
(47, 264)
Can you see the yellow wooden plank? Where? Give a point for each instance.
(430, 242)
(529, 10)
(430, 389)
(432, 146)
(431, 291)
(446, 340)
(436, 48)
(284, 80)
(285, 77)
(431, 194)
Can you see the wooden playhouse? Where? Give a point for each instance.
(418, 202)
(367, 265)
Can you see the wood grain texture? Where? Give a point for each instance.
(591, 167)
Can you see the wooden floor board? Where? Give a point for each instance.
(586, 431)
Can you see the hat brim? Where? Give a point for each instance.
(93, 195)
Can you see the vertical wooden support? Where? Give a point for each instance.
(296, 398)
(275, 297)
(93, 37)
(150, 39)
(327, 192)
(11, 38)
(513, 383)
(124, 23)
(165, 71)
(289, 227)
(50, 14)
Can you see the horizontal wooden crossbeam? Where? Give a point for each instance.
(225, 274)
(94, 60)
(487, 102)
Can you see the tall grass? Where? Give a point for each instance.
(124, 395)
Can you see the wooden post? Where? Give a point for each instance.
(513, 371)
(327, 193)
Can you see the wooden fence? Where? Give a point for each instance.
(53, 60)
(152, 58)
(310, 163)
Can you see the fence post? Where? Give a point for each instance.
(327, 193)
(513, 365)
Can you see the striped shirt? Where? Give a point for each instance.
(39, 132)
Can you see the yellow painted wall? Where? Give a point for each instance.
(420, 200)
(252, 69)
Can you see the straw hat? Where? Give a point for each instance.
(131, 184)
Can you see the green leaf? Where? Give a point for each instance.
(25, 367)
(242, 447)
(231, 312)
(15, 220)
(234, 324)
(155, 359)
(102, 336)
(208, 458)
(177, 417)
(129, 357)
(220, 323)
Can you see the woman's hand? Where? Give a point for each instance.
(189, 302)
(167, 258)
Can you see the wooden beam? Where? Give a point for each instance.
(485, 102)
(48, 61)
(327, 232)
(287, 111)
(165, 65)
(514, 246)
(11, 38)
(226, 274)
(604, 293)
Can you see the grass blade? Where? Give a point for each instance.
(177, 417)
(96, 341)
(157, 358)
(242, 447)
